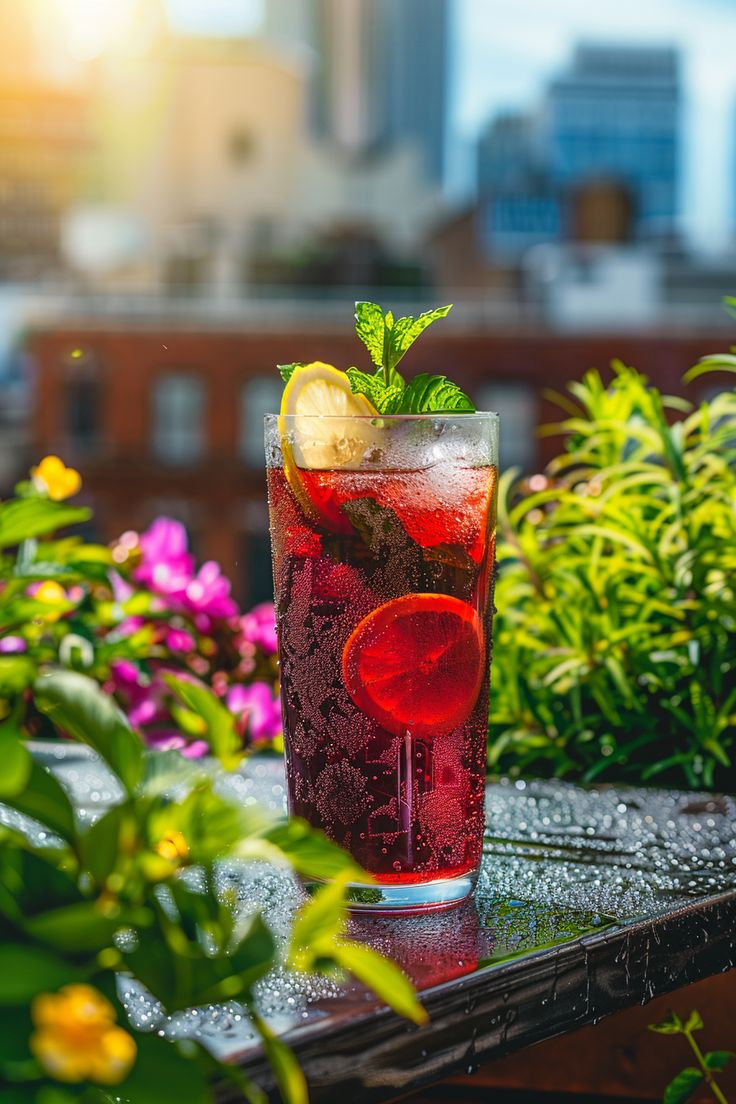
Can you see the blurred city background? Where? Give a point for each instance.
(194, 190)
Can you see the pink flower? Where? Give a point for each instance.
(179, 640)
(121, 590)
(259, 627)
(125, 674)
(259, 709)
(208, 593)
(166, 565)
(130, 625)
(168, 740)
(10, 645)
(141, 697)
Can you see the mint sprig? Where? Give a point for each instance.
(388, 340)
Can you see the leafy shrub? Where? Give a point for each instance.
(138, 617)
(94, 901)
(615, 654)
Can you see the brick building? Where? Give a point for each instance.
(168, 418)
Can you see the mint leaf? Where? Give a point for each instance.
(387, 339)
(385, 399)
(718, 1059)
(370, 326)
(286, 371)
(434, 395)
(673, 1025)
(683, 1086)
(405, 331)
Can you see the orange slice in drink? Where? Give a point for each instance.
(416, 664)
(323, 426)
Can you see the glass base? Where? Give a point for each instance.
(444, 893)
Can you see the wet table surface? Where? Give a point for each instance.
(588, 901)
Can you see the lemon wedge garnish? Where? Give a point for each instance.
(332, 439)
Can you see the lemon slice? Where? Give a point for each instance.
(332, 439)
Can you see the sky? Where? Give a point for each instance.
(504, 51)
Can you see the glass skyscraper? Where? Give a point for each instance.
(615, 115)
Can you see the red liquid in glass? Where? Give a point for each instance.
(385, 714)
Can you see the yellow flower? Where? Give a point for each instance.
(172, 846)
(77, 1039)
(50, 592)
(53, 477)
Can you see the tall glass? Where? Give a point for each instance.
(383, 534)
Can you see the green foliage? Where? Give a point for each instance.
(219, 723)
(387, 340)
(27, 518)
(425, 392)
(109, 897)
(615, 654)
(318, 943)
(385, 399)
(79, 707)
(684, 1084)
(84, 608)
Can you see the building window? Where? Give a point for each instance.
(80, 410)
(515, 403)
(178, 419)
(82, 420)
(257, 580)
(258, 397)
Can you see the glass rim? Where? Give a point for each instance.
(478, 415)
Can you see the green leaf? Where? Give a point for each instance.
(24, 518)
(683, 1086)
(287, 1071)
(19, 1094)
(74, 928)
(100, 844)
(385, 399)
(388, 340)
(718, 1059)
(45, 800)
(34, 882)
(211, 825)
(405, 331)
(80, 707)
(694, 1021)
(55, 1094)
(222, 734)
(673, 1025)
(152, 962)
(286, 371)
(15, 759)
(434, 394)
(318, 923)
(26, 971)
(312, 854)
(16, 673)
(370, 326)
(16, 1028)
(382, 976)
(165, 1073)
(246, 964)
(716, 362)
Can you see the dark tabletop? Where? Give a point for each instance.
(589, 901)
